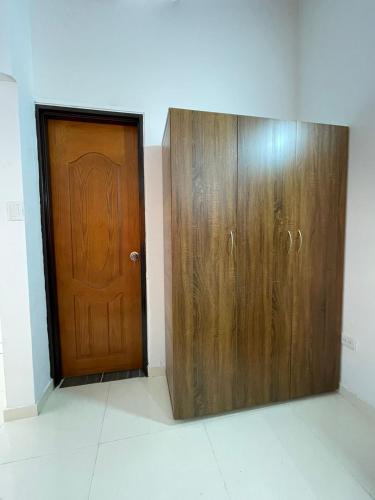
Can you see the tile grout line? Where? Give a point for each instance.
(98, 444)
(45, 455)
(216, 461)
(342, 464)
(295, 464)
(359, 411)
(143, 434)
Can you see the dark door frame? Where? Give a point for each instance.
(43, 114)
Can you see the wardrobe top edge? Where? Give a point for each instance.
(201, 111)
(166, 125)
(256, 116)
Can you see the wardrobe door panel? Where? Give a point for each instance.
(319, 254)
(204, 195)
(266, 187)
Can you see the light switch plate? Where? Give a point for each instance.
(15, 210)
(349, 342)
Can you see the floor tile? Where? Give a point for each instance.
(315, 460)
(136, 407)
(175, 465)
(345, 430)
(61, 476)
(253, 462)
(319, 448)
(71, 419)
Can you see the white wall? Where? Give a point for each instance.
(16, 60)
(240, 56)
(337, 84)
(23, 73)
(14, 295)
(236, 56)
(5, 50)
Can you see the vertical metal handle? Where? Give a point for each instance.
(300, 240)
(231, 242)
(290, 242)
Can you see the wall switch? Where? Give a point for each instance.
(349, 342)
(15, 210)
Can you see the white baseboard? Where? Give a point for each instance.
(20, 412)
(46, 393)
(156, 371)
(31, 410)
(356, 401)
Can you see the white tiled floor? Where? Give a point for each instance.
(118, 441)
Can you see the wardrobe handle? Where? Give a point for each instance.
(290, 242)
(231, 242)
(300, 240)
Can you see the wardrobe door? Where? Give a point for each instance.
(204, 195)
(321, 171)
(266, 168)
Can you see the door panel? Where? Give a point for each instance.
(266, 190)
(321, 173)
(204, 173)
(93, 187)
(95, 212)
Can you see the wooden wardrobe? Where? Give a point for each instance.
(254, 217)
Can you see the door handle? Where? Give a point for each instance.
(290, 242)
(231, 242)
(300, 240)
(134, 256)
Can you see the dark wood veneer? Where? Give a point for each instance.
(321, 170)
(259, 322)
(266, 156)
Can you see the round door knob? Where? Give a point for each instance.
(134, 256)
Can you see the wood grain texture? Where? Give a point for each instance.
(204, 186)
(321, 172)
(182, 263)
(167, 229)
(95, 210)
(214, 193)
(93, 188)
(266, 157)
(260, 322)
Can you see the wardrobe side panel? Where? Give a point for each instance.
(167, 230)
(322, 154)
(182, 261)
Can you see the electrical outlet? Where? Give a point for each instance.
(349, 342)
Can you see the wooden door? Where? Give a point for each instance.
(203, 206)
(95, 213)
(319, 253)
(266, 160)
